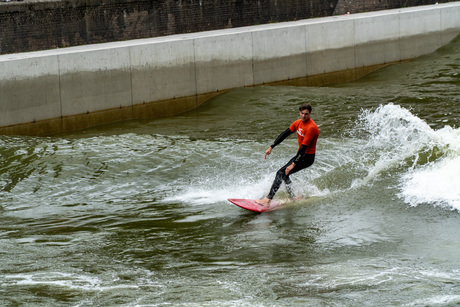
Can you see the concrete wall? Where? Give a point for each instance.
(57, 91)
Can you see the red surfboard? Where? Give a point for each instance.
(250, 204)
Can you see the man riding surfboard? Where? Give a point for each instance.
(307, 135)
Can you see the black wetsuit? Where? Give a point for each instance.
(302, 160)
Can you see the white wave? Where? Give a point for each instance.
(221, 187)
(396, 140)
(221, 190)
(400, 137)
(394, 135)
(437, 300)
(437, 183)
(394, 126)
(60, 279)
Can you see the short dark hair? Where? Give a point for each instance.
(305, 106)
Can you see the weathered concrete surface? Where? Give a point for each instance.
(57, 91)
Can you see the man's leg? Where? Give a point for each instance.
(281, 176)
(289, 189)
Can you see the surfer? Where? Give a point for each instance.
(307, 134)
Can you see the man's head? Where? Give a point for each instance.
(305, 111)
(305, 106)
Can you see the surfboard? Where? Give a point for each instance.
(251, 205)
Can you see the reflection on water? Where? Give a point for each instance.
(136, 213)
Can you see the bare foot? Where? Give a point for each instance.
(264, 202)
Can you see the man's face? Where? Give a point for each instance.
(304, 115)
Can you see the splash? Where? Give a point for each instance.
(219, 189)
(430, 159)
(390, 141)
(392, 126)
(437, 183)
(394, 136)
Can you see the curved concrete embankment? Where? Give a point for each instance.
(57, 91)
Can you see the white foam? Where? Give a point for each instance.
(395, 140)
(67, 280)
(399, 137)
(212, 192)
(437, 183)
(438, 300)
(395, 126)
(394, 135)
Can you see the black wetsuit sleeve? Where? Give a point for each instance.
(281, 137)
(300, 154)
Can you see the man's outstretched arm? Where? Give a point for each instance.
(278, 140)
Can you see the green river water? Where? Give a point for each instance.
(136, 213)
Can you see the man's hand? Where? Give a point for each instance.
(267, 152)
(289, 169)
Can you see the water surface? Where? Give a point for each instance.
(136, 213)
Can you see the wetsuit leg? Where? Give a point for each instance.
(289, 188)
(279, 178)
(281, 175)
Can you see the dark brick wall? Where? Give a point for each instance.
(353, 6)
(37, 25)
